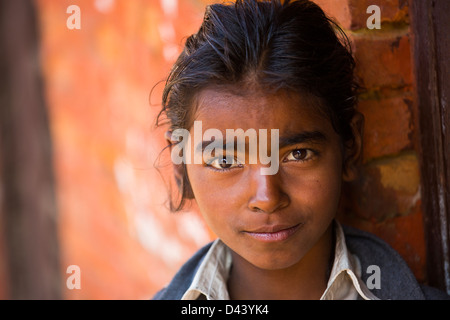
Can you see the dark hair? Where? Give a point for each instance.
(290, 45)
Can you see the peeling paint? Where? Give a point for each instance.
(401, 174)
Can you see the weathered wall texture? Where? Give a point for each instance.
(386, 200)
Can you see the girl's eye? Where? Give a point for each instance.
(300, 155)
(223, 163)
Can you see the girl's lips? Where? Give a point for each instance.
(273, 233)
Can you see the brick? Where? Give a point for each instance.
(352, 14)
(400, 174)
(391, 11)
(388, 126)
(383, 61)
(386, 188)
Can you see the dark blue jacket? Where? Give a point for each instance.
(397, 280)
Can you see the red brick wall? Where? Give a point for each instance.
(114, 223)
(386, 200)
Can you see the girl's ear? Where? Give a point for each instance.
(353, 151)
(177, 168)
(168, 137)
(180, 173)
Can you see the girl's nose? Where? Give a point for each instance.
(267, 195)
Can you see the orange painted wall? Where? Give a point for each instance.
(114, 222)
(113, 217)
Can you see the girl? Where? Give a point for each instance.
(281, 66)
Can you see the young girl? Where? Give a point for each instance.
(281, 67)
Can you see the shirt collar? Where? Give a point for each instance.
(212, 275)
(344, 283)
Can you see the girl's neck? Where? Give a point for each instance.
(305, 280)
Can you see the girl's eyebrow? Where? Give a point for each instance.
(302, 137)
(296, 138)
(202, 145)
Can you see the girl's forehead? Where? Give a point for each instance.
(285, 110)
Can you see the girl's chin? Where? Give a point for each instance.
(270, 261)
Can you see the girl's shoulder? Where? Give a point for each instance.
(379, 259)
(183, 278)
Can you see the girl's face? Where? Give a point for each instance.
(271, 221)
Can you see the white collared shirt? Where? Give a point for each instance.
(344, 283)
